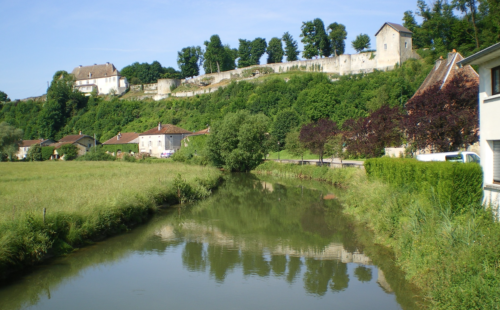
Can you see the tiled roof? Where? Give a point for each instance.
(73, 138)
(201, 132)
(165, 129)
(396, 27)
(26, 143)
(444, 70)
(59, 144)
(97, 71)
(126, 137)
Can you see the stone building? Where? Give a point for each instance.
(82, 142)
(126, 142)
(161, 139)
(25, 145)
(104, 79)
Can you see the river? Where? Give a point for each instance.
(257, 243)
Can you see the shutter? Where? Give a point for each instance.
(496, 161)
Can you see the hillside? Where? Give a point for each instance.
(290, 97)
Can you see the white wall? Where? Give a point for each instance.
(157, 144)
(391, 55)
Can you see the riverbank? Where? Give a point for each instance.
(85, 202)
(452, 257)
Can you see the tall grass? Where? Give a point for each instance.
(453, 257)
(85, 201)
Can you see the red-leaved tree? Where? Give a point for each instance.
(446, 118)
(368, 136)
(315, 135)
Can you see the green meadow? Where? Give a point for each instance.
(85, 201)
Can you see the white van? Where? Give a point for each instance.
(461, 157)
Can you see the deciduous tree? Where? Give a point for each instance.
(4, 97)
(444, 119)
(361, 42)
(294, 146)
(34, 153)
(274, 51)
(315, 135)
(258, 48)
(214, 54)
(9, 139)
(337, 35)
(188, 60)
(315, 40)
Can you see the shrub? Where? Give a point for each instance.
(97, 153)
(452, 184)
(34, 153)
(69, 151)
(47, 152)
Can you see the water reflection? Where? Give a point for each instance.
(251, 229)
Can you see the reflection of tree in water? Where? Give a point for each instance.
(278, 264)
(255, 264)
(320, 273)
(363, 273)
(193, 256)
(294, 264)
(221, 261)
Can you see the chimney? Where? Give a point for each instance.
(159, 126)
(80, 133)
(80, 66)
(119, 136)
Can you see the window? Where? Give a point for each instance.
(385, 46)
(496, 162)
(142, 144)
(149, 144)
(495, 81)
(406, 44)
(159, 143)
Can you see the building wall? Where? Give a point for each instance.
(165, 85)
(489, 113)
(388, 47)
(104, 85)
(157, 144)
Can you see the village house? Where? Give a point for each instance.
(127, 142)
(161, 139)
(103, 79)
(25, 145)
(488, 61)
(82, 142)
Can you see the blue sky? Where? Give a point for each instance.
(42, 37)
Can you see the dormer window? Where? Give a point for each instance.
(495, 81)
(90, 75)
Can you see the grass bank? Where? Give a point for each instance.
(85, 201)
(453, 257)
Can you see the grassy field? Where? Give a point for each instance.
(454, 258)
(85, 201)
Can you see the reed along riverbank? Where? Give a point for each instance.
(452, 254)
(84, 202)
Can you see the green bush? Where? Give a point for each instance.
(97, 153)
(455, 185)
(34, 153)
(70, 150)
(124, 148)
(47, 151)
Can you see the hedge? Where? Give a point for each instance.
(455, 184)
(124, 148)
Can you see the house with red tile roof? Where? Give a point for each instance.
(162, 139)
(25, 145)
(123, 142)
(81, 141)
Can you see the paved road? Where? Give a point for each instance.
(327, 161)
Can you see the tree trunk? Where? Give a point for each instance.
(218, 67)
(472, 12)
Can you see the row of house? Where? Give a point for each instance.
(158, 141)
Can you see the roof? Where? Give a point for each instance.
(482, 56)
(444, 70)
(126, 137)
(73, 138)
(396, 27)
(165, 129)
(26, 143)
(97, 71)
(205, 131)
(59, 144)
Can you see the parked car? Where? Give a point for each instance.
(167, 153)
(462, 157)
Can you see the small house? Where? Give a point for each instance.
(163, 138)
(82, 142)
(127, 142)
(25, 145)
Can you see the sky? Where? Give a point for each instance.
(42, 37)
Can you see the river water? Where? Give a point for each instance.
(257, 243)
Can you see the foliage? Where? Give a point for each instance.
(169, 73)
(4, 97)
(337, 35)
(218, 57)
(145, 73)
(238, 141)
(454, 185)
(446, 118)
(47, 152)
(256, 70)
(258, 49)
(96, 153)
(334, 147)
(69, 151)
(315, 135)
(188, 59)
(9, 140)
(361, 42)
(193, 150)
(315, 39)
(368, 136)
(291, 47)
(275, 51)
(294, 146)
(34, 153)
(284, 122)
(244, 52)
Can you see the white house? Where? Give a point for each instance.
(24, 146)
(162, 138)
(104, 79)
(488, 61)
